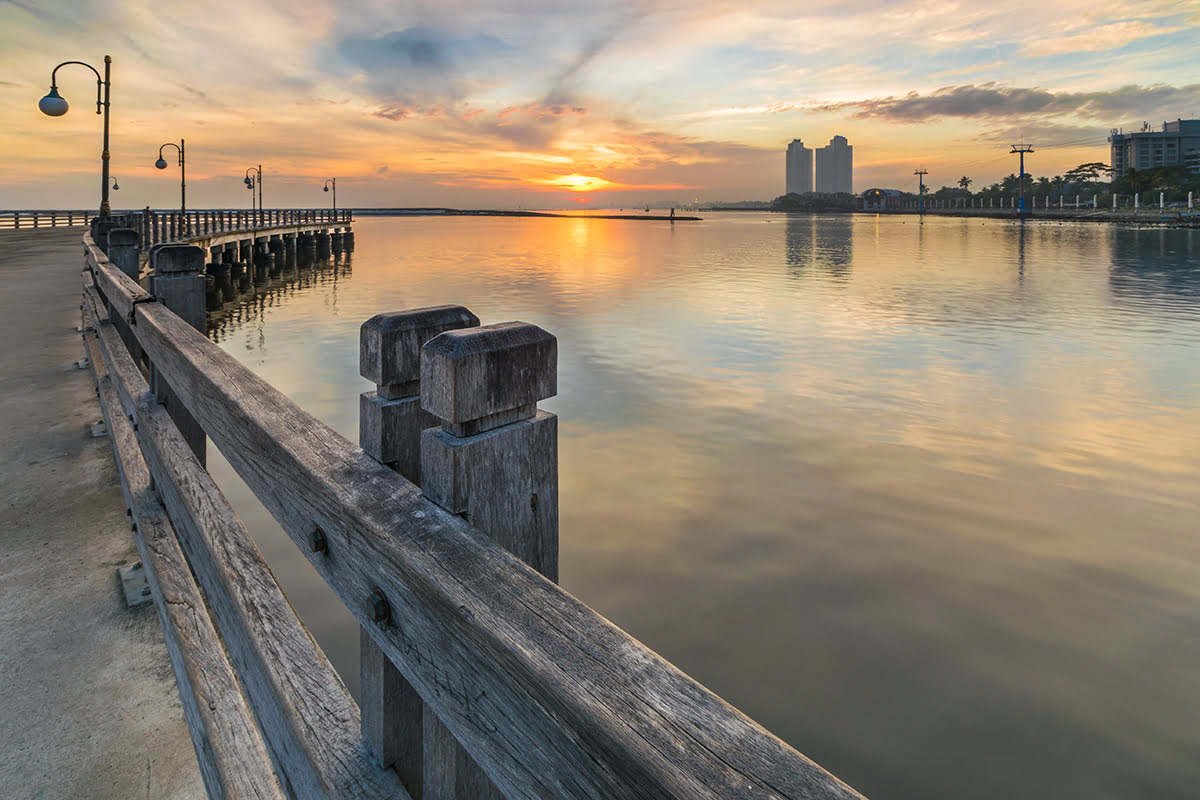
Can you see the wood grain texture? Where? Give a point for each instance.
(118, 289)
(392, 714)
(390, 423)
(504, 482)
(549, 697)
(308, 717)
(179, 286)
(232, 757)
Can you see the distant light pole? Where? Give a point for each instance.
(54, 105)
(921, 173)
(162, 164)
(250, 185)
(334, 182)
(1021, 149)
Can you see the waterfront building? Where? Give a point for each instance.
(879, 199)
(835, 167)
(1176, 145)
(799, 168)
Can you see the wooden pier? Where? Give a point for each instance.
(90, 706)
(438, 531)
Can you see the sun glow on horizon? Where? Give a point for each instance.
(579, 183)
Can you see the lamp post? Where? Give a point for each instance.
(162, 164)
(334, 182)
(54, 105)
(250, 185)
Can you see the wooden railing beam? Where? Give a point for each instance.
(232, 757)
(310, 722)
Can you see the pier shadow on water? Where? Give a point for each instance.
(239, 294)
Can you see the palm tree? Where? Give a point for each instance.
(965, 183)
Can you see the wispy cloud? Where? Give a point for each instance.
(991, 100)
(1104, 37)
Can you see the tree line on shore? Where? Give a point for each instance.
(1087, 181)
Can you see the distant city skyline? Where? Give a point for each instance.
(538, 104)
(798, 168)
(834, 166)
(828, 169)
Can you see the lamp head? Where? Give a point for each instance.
(115, 186)
(327, 188)
(53, 104)
(161, 163)
(249, 182)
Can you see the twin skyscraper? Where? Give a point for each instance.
(834, 167)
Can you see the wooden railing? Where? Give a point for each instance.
(481, 677)
(43, 219)
(160, 227)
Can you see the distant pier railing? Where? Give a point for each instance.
(43, 219)
(481, 678)
(161, 227)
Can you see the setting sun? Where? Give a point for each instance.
(579, 183)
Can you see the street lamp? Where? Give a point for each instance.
(162, 164)
(114, 180)
(250, 185)
(334, 182)
(54, 105)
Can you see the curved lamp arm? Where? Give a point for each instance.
(99, 82)
(170, 144)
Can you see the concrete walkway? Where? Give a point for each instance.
(88, 703)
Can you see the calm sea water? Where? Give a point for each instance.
(922, 499)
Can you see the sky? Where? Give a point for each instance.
(539, 104)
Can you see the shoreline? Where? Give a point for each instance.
(483, 212)
(1154, 217)
(1180, 219)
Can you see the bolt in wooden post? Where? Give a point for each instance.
(179, 285)
(390, 423)
(494, 461)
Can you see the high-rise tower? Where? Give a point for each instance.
(835, 166)
(799, 168)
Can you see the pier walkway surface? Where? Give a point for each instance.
(88, 702)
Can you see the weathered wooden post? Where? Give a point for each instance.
(390, 423)
(123, 253)
(179, 285)
(123, 250)
(493, 461)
